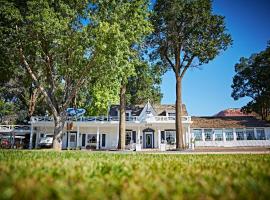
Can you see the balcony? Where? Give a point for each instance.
(14, 128)
(157, 119)
(84, 119)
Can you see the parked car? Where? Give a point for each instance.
(46, 141)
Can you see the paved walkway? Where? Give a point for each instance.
(220, 150)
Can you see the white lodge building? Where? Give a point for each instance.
(154, 127)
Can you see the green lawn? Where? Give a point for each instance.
(84, 175)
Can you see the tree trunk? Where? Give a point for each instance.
(178, 106)
(122, 121)
(59, 123)
(32, 103)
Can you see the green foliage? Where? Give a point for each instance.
(130, 23)
(144, 85)
(84, 175)
(6, 108)
(252, 80)
(73, 44)
(187, 33)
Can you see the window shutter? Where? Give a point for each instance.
(83, 140)
(162, 135)
(134, 136)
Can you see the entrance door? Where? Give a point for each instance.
(148, 140)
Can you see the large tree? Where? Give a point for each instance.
(64, 45)
(252, 80)
(131, 17)
(186, 34)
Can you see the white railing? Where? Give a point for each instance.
(171, 118)
(112, 119)
(85, 119)
(100, 119)
(15, 128)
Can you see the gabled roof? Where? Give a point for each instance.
(162, 108)
(228, 122)
(137, 109)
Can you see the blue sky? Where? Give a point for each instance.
(206, 91)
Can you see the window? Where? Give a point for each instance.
(218, 134)
(240, 134)
(91, 138)
(128, 115)
(171, 115)
(72, 138)
(197, 134)
(208, 134)
(103, 140)
(250, 134)
(229, 134)
(134, 136)
(162, 137)
(170, 137)
(260, 134)
(128, 137)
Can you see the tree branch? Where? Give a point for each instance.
(168, 59)
(37, 83)
(186, 67)
(75, 88)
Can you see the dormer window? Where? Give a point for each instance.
(128, 113)
(148, 112)
(171, 114)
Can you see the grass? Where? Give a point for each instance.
(83, 175)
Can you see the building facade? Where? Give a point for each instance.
(153, 127)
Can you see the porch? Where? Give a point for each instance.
(87, 135)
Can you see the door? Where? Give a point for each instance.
(148, 140)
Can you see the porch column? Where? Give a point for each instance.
(37, 138)
(78, 136)
(68, 139)
(31, 137)
(97, 147)
(139, 136)
(203, 135)
(234, 134)
(117, 136)
(189, 138)
(159, 135)
(255, 133)
(214, 135)
(245, 134)
(223, 135)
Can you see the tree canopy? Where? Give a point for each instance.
(252, 79)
